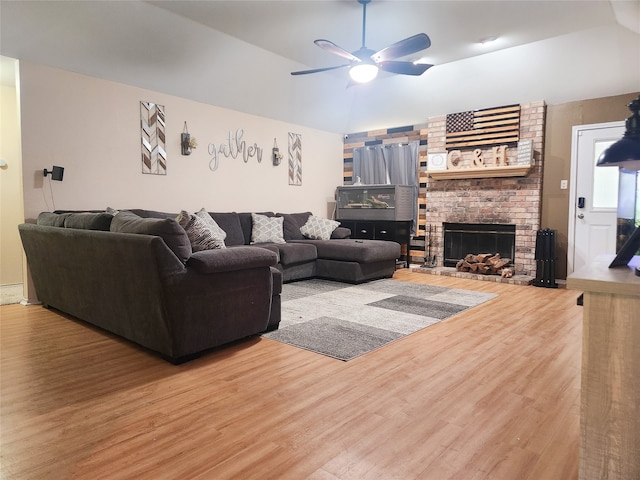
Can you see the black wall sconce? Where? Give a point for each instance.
(186, 141)
(56, 174)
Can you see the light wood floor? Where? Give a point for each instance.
(492, 393)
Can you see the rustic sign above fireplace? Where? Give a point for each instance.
(483, 128)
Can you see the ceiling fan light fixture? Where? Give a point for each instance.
(363, 72)
(487, 40)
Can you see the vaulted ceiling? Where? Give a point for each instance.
(239, 54)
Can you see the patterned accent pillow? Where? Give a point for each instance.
(318, 228)
(211, 223)
(267, 229)
(200, 235)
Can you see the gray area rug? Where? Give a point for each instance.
(344, 321)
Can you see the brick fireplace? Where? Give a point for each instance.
(495, 200)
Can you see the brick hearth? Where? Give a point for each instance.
(452, 272)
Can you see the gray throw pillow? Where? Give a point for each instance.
(267, 229)
(211, 223)
(199, 233)
(318, 228)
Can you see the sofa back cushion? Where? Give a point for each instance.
(171, 232)
(49, 219)
(152, 213)
(230, 223)
(89, 221)
(292, 224)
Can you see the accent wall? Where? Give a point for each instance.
(91, 127)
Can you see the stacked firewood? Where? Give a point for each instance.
(486, 264)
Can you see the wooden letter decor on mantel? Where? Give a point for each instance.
(479, 166)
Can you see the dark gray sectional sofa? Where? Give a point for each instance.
(135, 274)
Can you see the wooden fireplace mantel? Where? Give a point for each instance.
(485, 172)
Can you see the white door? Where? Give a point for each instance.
(594, 195)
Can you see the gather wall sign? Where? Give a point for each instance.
(234, 146)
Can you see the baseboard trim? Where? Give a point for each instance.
(10, 294)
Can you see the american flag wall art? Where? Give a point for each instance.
(483, 128)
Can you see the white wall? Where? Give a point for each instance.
(91, 127)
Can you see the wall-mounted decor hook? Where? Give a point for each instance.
(277, 156)
(186, 141)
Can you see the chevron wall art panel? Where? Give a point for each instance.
(154, 156)
(295, 159)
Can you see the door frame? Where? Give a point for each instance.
(575, 134)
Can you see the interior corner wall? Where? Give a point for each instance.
(10, 189)
(560, 120)
(91, 127)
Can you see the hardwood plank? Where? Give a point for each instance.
(492, 393)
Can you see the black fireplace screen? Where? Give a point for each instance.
(460, 239)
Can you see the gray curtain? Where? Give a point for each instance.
(392, 164)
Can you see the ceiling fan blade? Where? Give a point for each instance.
(403, 47)
(316, 70)
(335, 49)
(404, 68)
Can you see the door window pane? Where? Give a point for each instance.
(605, 180)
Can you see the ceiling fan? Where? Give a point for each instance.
(365, 63)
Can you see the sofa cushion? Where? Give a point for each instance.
(292, 224)
(318, 228)
(200, 235)
(49, 219)
(230, 223)
(266, 229)
(351, 250)
(89, 221)
(341, 232)
(171, 232)
(292, 253)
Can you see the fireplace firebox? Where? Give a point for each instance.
(461, 239)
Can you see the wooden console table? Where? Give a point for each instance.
(610, 390)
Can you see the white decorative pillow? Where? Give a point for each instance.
(318, 228)
(211, 223)
(200, 235)
(267, 229)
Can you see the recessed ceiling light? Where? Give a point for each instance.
(486, 40)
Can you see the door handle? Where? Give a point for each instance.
(581, 216)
